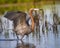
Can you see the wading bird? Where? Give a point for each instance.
(20, 25)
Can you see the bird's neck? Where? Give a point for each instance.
(32, 25)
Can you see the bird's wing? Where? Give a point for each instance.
(14, 14)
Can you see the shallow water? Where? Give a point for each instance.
(48, 39)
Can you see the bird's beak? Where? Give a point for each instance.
(36, 9)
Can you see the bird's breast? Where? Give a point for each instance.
(22, 29)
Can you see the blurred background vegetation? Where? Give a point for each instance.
(23, 5)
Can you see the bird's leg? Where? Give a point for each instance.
(22, 42)
(17, 37)
(22, 37)
(27, 35)
(27, 38)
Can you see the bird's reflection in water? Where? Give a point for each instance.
(25, 45)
